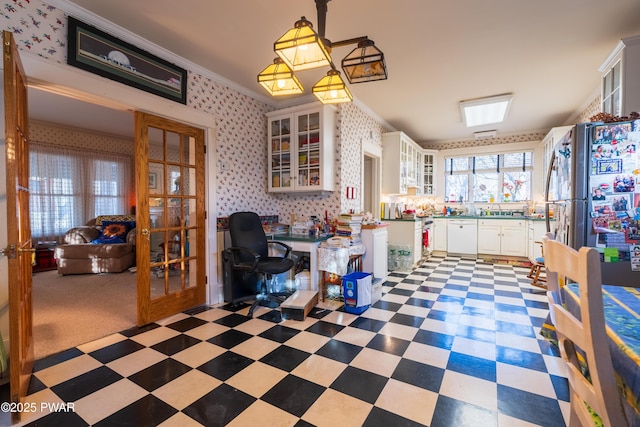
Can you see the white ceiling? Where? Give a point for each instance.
(546, 52)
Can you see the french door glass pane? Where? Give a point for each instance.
(172, 188)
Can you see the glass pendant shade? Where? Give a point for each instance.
(278, 79)
(301, 47)
(331, 89)
(364, 64)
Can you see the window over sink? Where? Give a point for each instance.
(491, 178)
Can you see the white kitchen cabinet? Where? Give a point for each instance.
(401, 163)
(439, 234)
(620, 85)
(407, 232)
(301, 149)
(428, 172)
(536, 230)
(374, 260)
(502, 237)
(489, 237)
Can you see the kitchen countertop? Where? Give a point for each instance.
(418, 218)
(489, 217)
(374, 226)
(299, 237)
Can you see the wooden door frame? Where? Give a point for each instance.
(152, 309)
(374, 152)
(69, 81)
(20, 251)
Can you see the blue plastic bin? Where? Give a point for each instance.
(356, 290)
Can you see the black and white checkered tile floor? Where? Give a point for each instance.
(454, 343)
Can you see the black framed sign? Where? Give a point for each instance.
(98, 52)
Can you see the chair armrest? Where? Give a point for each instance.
(237, 251)
(79, 235)
(131, 236)
(286, 247)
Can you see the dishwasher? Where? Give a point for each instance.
(462, 236)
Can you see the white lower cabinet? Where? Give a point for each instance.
(439, 231)
(407, 232)
(489, 241)
(537, 230)
(503, 237)
(374, 260)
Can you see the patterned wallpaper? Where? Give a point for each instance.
(241, 143)
(592, 109)
(525, 137)
(241, 127)
(356, 127)
(78, 138)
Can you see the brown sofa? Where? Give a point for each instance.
(79, 256)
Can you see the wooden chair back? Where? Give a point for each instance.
(586, 336)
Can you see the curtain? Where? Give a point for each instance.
(68, 187)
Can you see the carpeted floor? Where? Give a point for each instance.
(76, 309)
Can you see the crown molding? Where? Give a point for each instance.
(71, 9)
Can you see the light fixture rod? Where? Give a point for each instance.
(321, 9)
(347, 42)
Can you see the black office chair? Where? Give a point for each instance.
(249, 253)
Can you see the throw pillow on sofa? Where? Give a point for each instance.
(114, 231)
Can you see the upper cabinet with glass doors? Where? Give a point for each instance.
(620, 91)
(402, 164)
(301, 149)
(429, 172)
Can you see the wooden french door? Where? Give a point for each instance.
(170, 219)
(19, 251)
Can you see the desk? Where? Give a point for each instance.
(302, 243)
(622, 315)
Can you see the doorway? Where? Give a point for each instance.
(101, 304)
(100, 308)
(367, 196)
(371, 177)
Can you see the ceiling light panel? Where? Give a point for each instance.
(484, 111)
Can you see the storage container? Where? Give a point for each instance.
(356, 290)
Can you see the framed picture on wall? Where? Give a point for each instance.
(94, 50)
(153, 180)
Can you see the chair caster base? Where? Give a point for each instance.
(270, 301)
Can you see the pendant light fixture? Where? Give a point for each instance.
(365, 63)
(331, 89)
(301, 48)
(278, 79)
